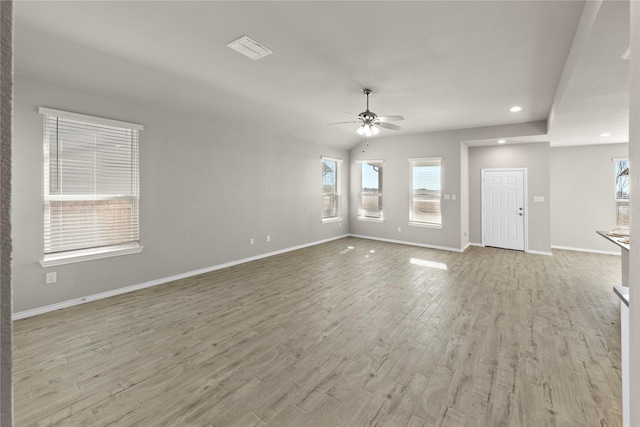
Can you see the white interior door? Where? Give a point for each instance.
(503, 209)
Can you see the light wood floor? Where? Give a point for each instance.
(347, 333)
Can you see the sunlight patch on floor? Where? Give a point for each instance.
(425, 263)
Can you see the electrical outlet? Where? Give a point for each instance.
(51, 277)
(251, 241)
(268, 238)
(399, 229)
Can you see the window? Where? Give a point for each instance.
(371, 190)
(622, 193)
(90, 186)
(330, 189)
(425, 191)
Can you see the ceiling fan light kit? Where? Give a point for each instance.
(368, 130)
(370, 123)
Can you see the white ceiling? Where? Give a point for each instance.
(443, 65)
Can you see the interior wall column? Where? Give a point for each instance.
(634, 254)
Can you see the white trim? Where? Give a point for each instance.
(619, 159)
(539, 253)
(339, 172)
(370, 219)
(127, 289)
(89, 197)
(369, 161)
(480, 245)
(411, 166)
(402, 242)
(53, 260)
(331, 158)
(593, 251)
(90, 119)
(425, 225)
(417, 159)
(331, 219)
(466, 246)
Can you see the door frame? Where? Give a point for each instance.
(524, 195)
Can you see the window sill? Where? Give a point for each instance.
(332, 219)
(425, 225)
(370, 219)
(88, 255)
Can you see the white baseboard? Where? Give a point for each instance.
(70, 303)
(593, 251)
(402, 242)
(529, 251)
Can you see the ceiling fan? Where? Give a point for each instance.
(370, 122)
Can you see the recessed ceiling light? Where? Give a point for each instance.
(515, 109)
(502, 141)
(604, 135)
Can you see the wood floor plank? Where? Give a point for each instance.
(418, 422)
(434, 395)
(349, 332)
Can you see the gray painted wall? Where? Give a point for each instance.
(534, 157)
(583, 194)
(395, 151)
(456, 179)
(206, 189)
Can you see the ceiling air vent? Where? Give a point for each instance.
(250, 48)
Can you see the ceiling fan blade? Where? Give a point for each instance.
(389, 126)
(342, 123)
(390, 118)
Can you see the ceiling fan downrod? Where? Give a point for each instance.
(367, 92)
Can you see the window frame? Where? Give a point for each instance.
(337, 195)
(90, 253)
(379, 194)
(413, 222)
(620, 200)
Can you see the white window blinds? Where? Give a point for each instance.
(91, 188)
(425, 191)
